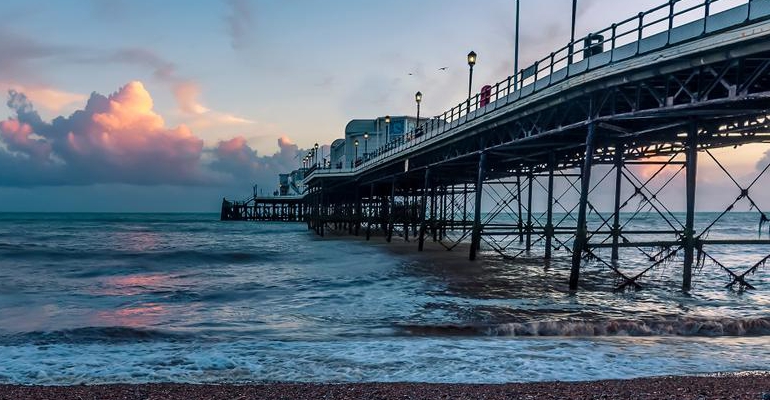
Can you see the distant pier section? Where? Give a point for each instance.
(275, 208)
(285, 205)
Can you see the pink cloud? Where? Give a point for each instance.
(236, 156)
(17, 136)
(118, 138)
(121, 139)
(46, 97)
(186, 94)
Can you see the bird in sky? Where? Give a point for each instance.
(443, 68)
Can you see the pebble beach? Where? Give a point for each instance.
(753, 386)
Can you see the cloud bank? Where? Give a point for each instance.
(120, 139)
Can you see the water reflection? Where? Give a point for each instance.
(135, 316)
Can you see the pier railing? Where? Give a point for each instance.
(674, 22)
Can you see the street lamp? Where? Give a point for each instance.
(315, 154)
(471, 63)
(418, 100)
(366, 143)
(355, 159)
(387, 129)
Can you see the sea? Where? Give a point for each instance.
(137, 298)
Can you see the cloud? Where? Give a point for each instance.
(187, 95)
(19, 54)
(46, 97)
(240, 23)
(764, 161)
(235, 156)
(186, 91)
(120, 139)
(113, 139)
(162, 69)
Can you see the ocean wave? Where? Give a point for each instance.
(87, 335)
(37, 252)
(690, 327)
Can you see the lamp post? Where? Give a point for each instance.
(471, 63)
(387, 129)
(355, 159)
(366, 144)
(572, 35)
(315, 154)
(418, 100)
(516, 51)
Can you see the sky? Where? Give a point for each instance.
(135, 105)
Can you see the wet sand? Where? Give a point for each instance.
(743, 386)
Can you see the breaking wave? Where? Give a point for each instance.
(694, 327)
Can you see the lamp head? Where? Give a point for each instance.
(472, 58)
(355, 143)
(366, 135)
(316, 146)
(418, 97)
(387, 119)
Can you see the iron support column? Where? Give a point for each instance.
(616, 217)
(369, 212)
(424, 210)
(529, 211)
(391, 211)
(407, 220)
(549, 213)
(476, 234)
(441, 222)
(433, 212)
(357, 218)
(465, 208)
(518, 200)
(581, 236)
(689, 232)
(321, 210)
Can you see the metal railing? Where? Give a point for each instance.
(674, 22)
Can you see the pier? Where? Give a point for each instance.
(261, 208)
(658, 91)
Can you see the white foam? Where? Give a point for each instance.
(493, 360)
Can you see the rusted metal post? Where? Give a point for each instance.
(424, 210)
(549, 213)
(581, 236)
(616, 219)
(689, 231)
(476, 234)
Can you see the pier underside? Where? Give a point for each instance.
(580, 176)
